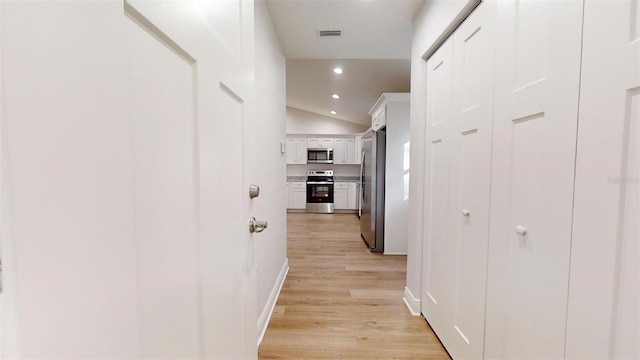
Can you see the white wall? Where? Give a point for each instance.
(271, 205)
(430, 26)
(395, 228)
(304, 122)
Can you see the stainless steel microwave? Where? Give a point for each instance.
(319, 156)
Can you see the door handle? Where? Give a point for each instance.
(256, 226)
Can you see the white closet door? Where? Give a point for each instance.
(538, 46)
(604, 305)
(438, 252)
(473, 57)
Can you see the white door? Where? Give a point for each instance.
(126, 174)
(470, 169)
(534, 143)
(604, 304)
(436, 295)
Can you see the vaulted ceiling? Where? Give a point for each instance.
(373, 50)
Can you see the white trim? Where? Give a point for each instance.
(394, 253)
(412, 303)
(265, 317)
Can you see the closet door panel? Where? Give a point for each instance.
(533, 160)
(438, 252)
(604, 302)
(471, 133)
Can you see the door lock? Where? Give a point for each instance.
(254, 191)
(256, 226)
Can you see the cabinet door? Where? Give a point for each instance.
(358, 151)
(301, 151)
(313, 143)
(604, 310)
(438, 253)
(326, 143)
(349, 151)
(340, 196)
(339, 151)
(288, 192)
(537, 66)
(382, 118)
(470, 171)
(298, 195)
(292, 154)
(352, 200)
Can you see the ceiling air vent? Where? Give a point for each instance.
(323, 33)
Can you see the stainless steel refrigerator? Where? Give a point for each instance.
(372, 189)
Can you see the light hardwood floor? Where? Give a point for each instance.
(340, 301)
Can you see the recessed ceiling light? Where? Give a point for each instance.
(333, 112)
(335, 96)
(337, 70)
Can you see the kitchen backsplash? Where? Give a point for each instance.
(338, 170)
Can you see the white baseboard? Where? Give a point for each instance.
(263, 320)
(412, 303)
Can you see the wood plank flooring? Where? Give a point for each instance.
(340, 301)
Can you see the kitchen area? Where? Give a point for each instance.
(363, 174)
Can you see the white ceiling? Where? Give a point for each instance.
(374, 51)
(311, 82)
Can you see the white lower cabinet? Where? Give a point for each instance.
(297, 195)
(340, 196)
(345, 195)
(352, 200)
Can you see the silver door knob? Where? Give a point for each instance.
(465, 212)
(521, 230)
(256, 226)
(254, 191)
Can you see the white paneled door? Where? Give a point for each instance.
(470, 171)
(604, 301)
(460, 114)
(438, 254)
(533, 161)
(125, 169)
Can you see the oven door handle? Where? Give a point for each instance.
(319, 183)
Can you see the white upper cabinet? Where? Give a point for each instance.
(380, 111)
(297, 151)
(379, 119)
(344, 151)
(320, 143)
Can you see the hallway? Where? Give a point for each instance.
(340, 301)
